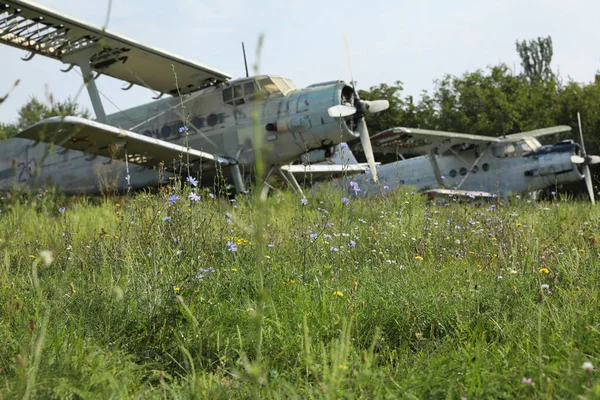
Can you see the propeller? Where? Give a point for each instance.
(587, 160)
(358, 110)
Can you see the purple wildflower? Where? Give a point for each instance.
(212, 196)
(231, 246)
(173, 198)
(304, 201)
(345, 200)
(62, 210)
(271, 245)
(313, 236)
(192, 181)
(386, 187)
(327, 236)
(194, 197)
(334, 249)
(166, 219)
(352, 243)
(354, 187)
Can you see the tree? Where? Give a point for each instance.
(536, 56)
(35, 111)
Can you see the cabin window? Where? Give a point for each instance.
(452, 173)
(485, 167)
(463, 171)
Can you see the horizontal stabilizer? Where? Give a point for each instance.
(457, 192)
(322, 171)
(92, 137)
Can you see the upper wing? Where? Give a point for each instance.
(108, 141)
(554, 130)
(421, 141)
(42, 31)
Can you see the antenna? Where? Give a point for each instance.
(245, 62)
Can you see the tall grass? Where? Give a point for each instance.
(389, 297)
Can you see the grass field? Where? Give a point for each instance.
(161, 296)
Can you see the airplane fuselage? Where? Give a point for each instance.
(500, 173)
(231, 120)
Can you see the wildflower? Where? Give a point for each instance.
(345, 200)
(544, 270)
(494, 239)
(313, 236)
(418, 258)
(327, 236)
(338, 293)
(581, 251)
(304, 201)
(519, 225)
(352, 244)
(354, 187)
(386, 187)
(192, 181)
(166, 219)
(173, 198)
(334, 249)
(355, 284)
(212, 196)
(194, 197)
(228, 215)
(62, 210)
(588, 366)
(271, 245)
(233, 269)
(176, 289)
(231, 246)
(32, 257)
(527, 381)
(117, 205)
(545, 286)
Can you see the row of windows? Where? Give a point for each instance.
(243, 92)
(463, 171)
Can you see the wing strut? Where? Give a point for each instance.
(82, 59)
(436, 167)
(472, 166)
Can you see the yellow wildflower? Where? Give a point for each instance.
(355, 284)
(117, 205)
(338, 293)
(32, 257)
(176, 289)
(234, 269)
(292, 281)
(342, 366)
(494, 239)
(418, 258)
(581, 251)
(544, 270)
(519, 225)
(472, 253)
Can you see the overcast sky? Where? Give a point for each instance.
(412, 41)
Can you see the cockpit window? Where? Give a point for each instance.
(243, 92)
(504, 151)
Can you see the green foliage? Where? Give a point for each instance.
(434, 300)
(35, 111)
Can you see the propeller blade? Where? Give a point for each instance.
(365, 140)
(588, 184)
(580, 132)
(375, 106)
(341, 111)
(575, 159)
(592, 160)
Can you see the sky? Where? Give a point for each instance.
(415, 42)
